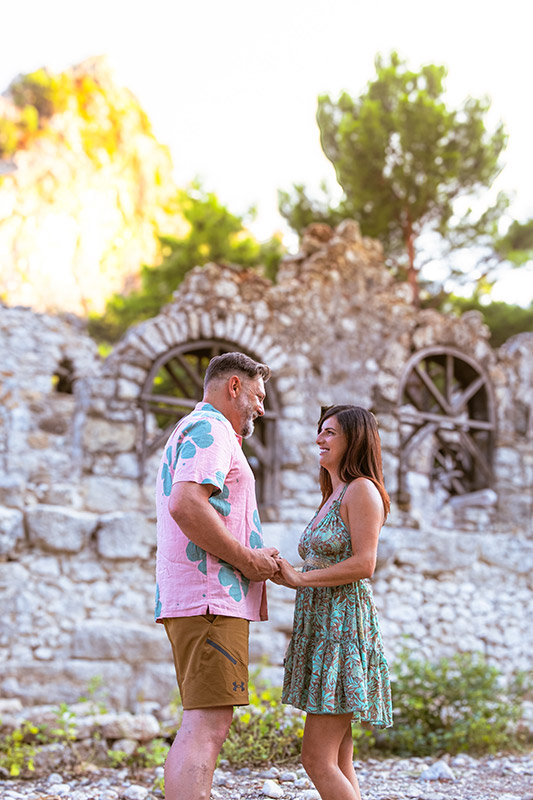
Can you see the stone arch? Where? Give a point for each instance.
(172, 388)
(151, 347)
(446, 406)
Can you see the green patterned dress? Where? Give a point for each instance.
(335, 662)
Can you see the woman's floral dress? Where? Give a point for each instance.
(335, 662)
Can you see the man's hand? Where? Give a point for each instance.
(261, 564)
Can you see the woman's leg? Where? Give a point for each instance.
(324, 735)
(346, 760)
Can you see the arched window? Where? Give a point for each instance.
(446, 399)
(173, 387)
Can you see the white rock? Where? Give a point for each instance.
(272, 789)
(287, 777)
(136, 792)
(62, 789)
(439, 771)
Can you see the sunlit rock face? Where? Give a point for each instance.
(83, 197)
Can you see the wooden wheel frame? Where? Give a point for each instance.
(173, 387)
(447, 395)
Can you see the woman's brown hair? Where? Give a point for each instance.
(362, 457)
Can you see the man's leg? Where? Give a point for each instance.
(191, 759)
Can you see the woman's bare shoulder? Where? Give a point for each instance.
(362, 487)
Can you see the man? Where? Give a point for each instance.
(211, 565)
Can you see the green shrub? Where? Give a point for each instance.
(266, 731)
(18, 749)
(46, 92)
(457, 704)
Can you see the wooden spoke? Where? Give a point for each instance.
(194, 376)
(170, 369)
(468, 393)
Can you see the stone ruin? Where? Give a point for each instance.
(81, 439)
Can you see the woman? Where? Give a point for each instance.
(335, 669)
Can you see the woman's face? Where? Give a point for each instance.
(332, 444)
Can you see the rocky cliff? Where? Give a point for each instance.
(84, 189)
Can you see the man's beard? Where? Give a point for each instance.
(247, 419)
(247, 428)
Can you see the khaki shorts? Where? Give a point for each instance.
(211, 659)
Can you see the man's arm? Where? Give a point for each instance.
(190, 508)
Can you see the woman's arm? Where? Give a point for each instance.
(362, 513)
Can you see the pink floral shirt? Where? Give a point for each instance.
(204, 448)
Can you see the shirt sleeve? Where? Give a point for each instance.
(203, 453)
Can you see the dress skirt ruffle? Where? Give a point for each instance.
(335, 662)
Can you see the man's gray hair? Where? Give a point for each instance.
(223, 365)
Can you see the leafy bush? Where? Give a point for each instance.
(16, 752)
(455, 705)
(263, 732)
(46, 92)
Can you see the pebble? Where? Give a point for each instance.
(439, 771)
(489, 778)
(288, 777)
(272, 789)
(135, 792)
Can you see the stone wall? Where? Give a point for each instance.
(77, 527)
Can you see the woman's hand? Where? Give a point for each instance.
(287, 575)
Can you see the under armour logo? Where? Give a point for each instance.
(237, 686)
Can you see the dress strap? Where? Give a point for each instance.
(339, 498)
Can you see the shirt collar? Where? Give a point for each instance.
(211, 411)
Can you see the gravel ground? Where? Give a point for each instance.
(451, 778)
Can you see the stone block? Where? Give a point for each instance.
(112, 437)
(142, 727)
(63, 494)
(103, 640)
(155, 681)
(127, 535)
(103, 494)
(64, 681)
(59, 530)
(508, 553)
(12, 491)
(11, 530)
(127, 390)
(267, 643)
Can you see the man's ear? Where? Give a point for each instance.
(234, 386)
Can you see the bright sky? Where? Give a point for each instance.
(231, 86)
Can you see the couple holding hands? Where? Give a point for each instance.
(211, 572)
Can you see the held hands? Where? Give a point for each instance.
(262, 564)
(287, 575)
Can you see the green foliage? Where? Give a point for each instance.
(96, 692)
(18, 749)
(455, 705)
(300, 210)
(403, 158)
(214, 234)
(504, 319)
(517, 244)
(47, 93)
(264, 732)
(145, 756)
(65, 729)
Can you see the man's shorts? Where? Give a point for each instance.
(211, 659)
